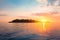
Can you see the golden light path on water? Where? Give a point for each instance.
(43, 26)
(44, 22)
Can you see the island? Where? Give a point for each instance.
(23, 21)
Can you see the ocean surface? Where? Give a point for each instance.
(29, 31)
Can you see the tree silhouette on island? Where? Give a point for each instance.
(23, 21)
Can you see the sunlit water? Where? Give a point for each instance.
(29, 31)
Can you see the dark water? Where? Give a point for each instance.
(28, 31)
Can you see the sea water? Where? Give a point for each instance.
(29, 31)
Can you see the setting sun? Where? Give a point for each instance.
(43, 20)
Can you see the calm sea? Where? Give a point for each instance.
(29, 31)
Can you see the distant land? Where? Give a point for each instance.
(23, 21)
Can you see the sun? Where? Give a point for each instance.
(43, 20)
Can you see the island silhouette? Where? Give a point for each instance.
(23, 21)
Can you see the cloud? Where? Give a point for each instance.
(47, 14)
(50, 2)
(52, 5)
(2, 13)
(53, 2)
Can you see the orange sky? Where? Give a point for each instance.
(51, 16)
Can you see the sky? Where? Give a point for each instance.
(10, 9)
